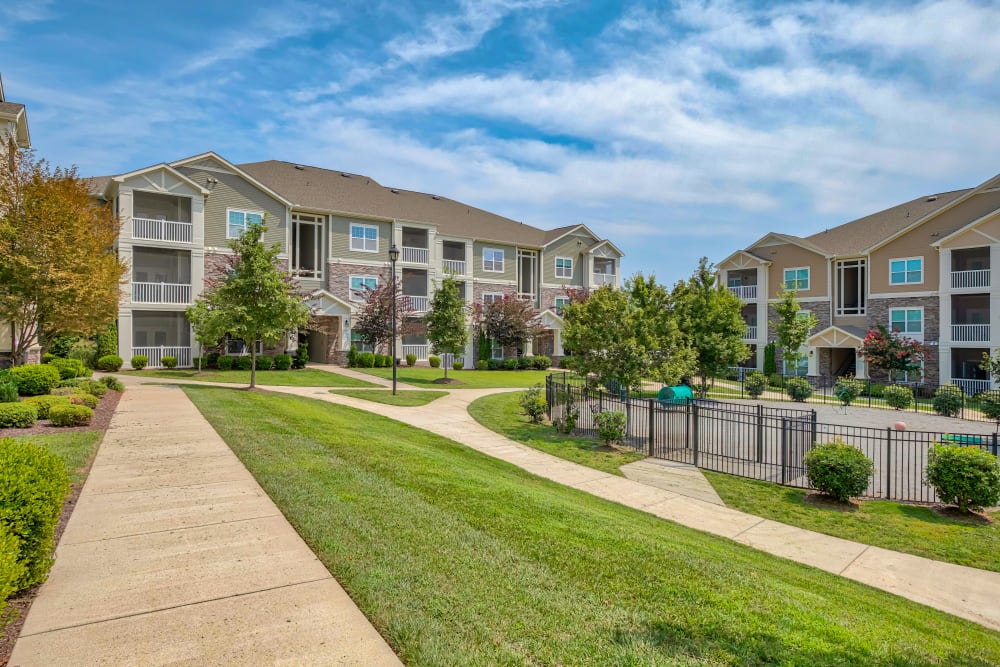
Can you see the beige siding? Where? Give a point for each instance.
(973, 239)
(917, 243)
(233, 192)
(340, 241)
(509, 261)
(569, 247)
(789, 256)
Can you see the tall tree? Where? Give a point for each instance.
(58, 274)
(509, 321)
(709, 316)
(792, 327)
(374, 319)
(446, 330)
(254, 300)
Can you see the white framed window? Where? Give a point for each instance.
(238, 221)
(492, 260)
(799, 369)
(361, 285)
(364, 238)
(496, 350)
(906, 271)
(561, 301)
(307, 245)
(907, 321)
(564, 267)
(490, 297)
(361, 345)
(797, 278)
(237, 348)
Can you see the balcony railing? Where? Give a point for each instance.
(750, 333)
(745, 292)
(967, 279)
(161, 293)
(149, 229)
(419, 303)
(970, 333)
(156, 354)
(415, 255)
(604, 279)
(456, 266)
(971, 387)
(419, 350)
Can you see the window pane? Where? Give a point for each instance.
(371, 233)
(913, 276)
(897, 266)
(357, 232)
(913, 264)
(236, 217)
(254, 218)
(898, 278)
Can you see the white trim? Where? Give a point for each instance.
(908, 334)
(905, 270)
(784, 278)
(602, 242)
(121, 178)
(245, 213)
(570, 231)
(503, 260)
(970, 227)
(556, 264)
(483, 296)
(236, 170)
(901, 295)
(350, 287)
(565, 299)
(364, 238)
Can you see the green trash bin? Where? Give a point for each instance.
(677, 395)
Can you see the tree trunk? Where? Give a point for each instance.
(444, 362)
(253, 364)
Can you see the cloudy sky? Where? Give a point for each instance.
(677, 129)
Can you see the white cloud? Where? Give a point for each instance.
(16, 16)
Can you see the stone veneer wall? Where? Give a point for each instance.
(819, 309)
(338, 277)
(878, 313)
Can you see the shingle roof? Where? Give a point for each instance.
(11, 108)
(96, 185)
(326, 190)
(553, 234)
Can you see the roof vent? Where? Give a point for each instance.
(932, 198)
(394, 191)
(435, 197)
(300, 167)
(345, 175)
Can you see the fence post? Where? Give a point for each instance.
(784, 450)
(694, 413)
(994, 447)
(760, 433)
(812, 421)
(888, 463)
(548, 396)
(652, 422)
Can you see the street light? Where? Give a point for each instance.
(393, 258)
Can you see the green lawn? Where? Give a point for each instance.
(306, 377)
(404, 397)
(908, 528)
(461, 559)
(75, 449)
(419, 376)
(501, 413)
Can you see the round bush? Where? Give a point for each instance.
(44, 403)
(493, 364)
(282, 362)
(541, 362)
(35, 380)
(898, 397)
(798, 389)
(366, 360)
(524, 363)
(264, 363)
(70, 415)
(82, 398)
(755, 383)
(533, 404)
(989, 403)
(948, 400)
(225, 363)
(411, 360)
(11, 569)
(838, 470)
(92, 387)
(48, 357)
(112, 383)
(244, 363)
(610, 426)
(18, 415)
(109, 363)
(482, 365)
(139, 361)
(457, 365)
(212, 359)
(33, 484)
(434, 361)
(510, 364)
(69, 368)
(965, 476)
(847, 389)
(168, 361)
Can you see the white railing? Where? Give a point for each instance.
(604, 279)
(745, 292)
(415, 255)
(419, 350)
(156, 354)
(970, 333)
(456, 266)
(971, 387)
(161, 293)
(419, 303)
(162, 230)
(966, 279)
(750, 333)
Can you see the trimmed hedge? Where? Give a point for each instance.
(948, 400)
(282, 362)
(82, 398)
(965, 476)
(18, 415)
(457, 365)
(225, 363)
(69, 368)
(411, 359)
(112, 383)
(434, 361)
(139, 361)
(11, 569)
(168, 361)
(798, 389)
(110, 363)
(70, 415)
(898, 397)
(33, 485)
(264, 363)
(838, 470)
(244, 363)
(92, 387)
(35, 380)
(44, 403)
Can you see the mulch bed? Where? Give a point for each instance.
(17, 607)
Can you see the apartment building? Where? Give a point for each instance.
(336, 229)
(923, 268)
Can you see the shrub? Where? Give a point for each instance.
(965, 476)
(776, 380)
(874, 390)
(244, 363)
(81, 398)
(411, 359)
(847, 389)
(139, 361)
(33, 484)
(989, 403)
(211, 359)
(898, 397)
(92, 387)
(610, 426)
(755, 383)
(533, 404)
(48, 357)
(510, 364)
(264, 363)
(8, 388)
(434, 361)
(225, 363)
(112, 383)
(107, 341)
(570, 417)
(493, 364)
(74, 382)
(65, 391)
(282, 362)
(948, 400)
(838, 470)
(352, 356)
(541, 362)
(35, 380)
(385, 361)
(110, 363)
(482, 365)
(17, 415)
(301, 357)
(168, 361)
(11, 569)
(523, 363)
(798, 389)
(85, 351)
(69, 368)
(457, 365)
(70, 415)
(198, 362)
(366, 360)
(770, 359)
(44, 403)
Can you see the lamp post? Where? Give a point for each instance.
(393, 258)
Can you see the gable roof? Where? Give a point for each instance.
(235, 169)
(788, 238)
(155, 167)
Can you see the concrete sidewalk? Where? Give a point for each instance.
(175, 555)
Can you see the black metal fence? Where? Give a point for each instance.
(755, 441)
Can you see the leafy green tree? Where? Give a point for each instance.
(446, 330)
(792, 327)
(710, 319)
(253, 299)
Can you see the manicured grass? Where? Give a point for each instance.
(75, 449)
(306, 377)
(501, 413)
(908, 528)
(404, 397)
(420, 377)
(461, 559)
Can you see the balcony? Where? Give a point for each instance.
(161, 293)
(415, 255)
(978, 278)
(156, 354)
(750, 333)
(970, 333)
(420, 351)
(149, 229)
(419, 303)
(744, 292)
(971, 387)
(456, 266)
(604, 279)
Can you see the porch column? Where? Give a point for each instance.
(812, 355)
(529, 346)
(994, 319)
(861, 368)
(125, 337)
(944, 364)
(557, 348)
(470, 351)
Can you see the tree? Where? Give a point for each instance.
(58, 274)
(510, 322)
(792, 327)
(374, 320)
(892, 352)
(710, 318)
(253, 300)
(445, 320)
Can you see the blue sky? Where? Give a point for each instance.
(676, 129)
